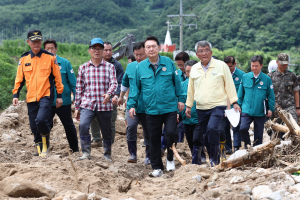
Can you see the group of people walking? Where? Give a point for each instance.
(167, 102)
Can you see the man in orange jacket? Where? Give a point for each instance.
(39, 70)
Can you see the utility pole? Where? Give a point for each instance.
(181, 16)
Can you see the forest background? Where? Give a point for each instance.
(241, 28)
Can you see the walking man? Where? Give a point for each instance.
(157, 79)
(210, 84)
(69, 81)
(95, 129)
(39, 70)
(131, 130)
(96, 84)
(256, 87)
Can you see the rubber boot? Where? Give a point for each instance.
(214, 155)
(107, 149)
(147, 159)
(85, 142)
(163, 146)
(203, 156)
(223, 150)
(195, 154)
(39, 147)
(132, 151)
(199, 155)
(46, 145)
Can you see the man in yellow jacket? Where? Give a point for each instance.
(210, 85)
(39, 69)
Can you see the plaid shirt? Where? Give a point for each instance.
(93, 82)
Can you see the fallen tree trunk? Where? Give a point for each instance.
(276, 127)
(251, 157)
(177, 155)
(290, 122)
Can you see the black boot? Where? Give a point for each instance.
(199, 155)
(203, 155)
(195, 154)
(107, 149)
(46, 145)
(214, 157)
(147, 159)
(132, 151)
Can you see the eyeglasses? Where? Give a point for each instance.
(204, 51)
(97, 49)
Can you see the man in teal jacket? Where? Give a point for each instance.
(69, 82)
(191, 125)
(157, 78)
(131, 130)
(256, 87)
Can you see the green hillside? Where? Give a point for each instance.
(245, 24)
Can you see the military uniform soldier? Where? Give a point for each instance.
(286, 88)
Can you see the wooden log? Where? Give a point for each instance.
(177, 155)
(276, 127)
(284, 116)
(251, 157)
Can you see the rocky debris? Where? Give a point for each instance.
(261, 191)
(103, 165)
(6, 137)
(278, 195)
(73, 195)
(197, 178)
(210, 184)
(18, 187)
(295, 188)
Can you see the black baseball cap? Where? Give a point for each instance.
(34, 34)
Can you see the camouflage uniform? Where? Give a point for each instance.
(284, 87)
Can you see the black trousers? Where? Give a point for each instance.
(191, 132)
(39, 116)
(65, 115)
(155, 123)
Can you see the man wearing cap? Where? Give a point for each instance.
(255, 88)
(107, 56)
(39, 70)
(157, 79)
(286, 88)
(96, 84)
(69, 81)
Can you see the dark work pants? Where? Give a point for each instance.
(237, 138)
(39, 117)
(209, 121)
(155, 123)
(224, 129)
(65, 115)
(131, 130)
(190, 131)
(259, 122)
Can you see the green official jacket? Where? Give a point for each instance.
(68, 80)
(253, 92)
(181, 75)
(194, 117)
(128, 82)
(160, 88)
(237, 78)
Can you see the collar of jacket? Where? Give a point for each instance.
(91, 63)
(211, 65)
(284, 73)
(39, 54)
(58, 59)
(161, 62)
(112, 60)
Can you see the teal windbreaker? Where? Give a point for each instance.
(194, 117)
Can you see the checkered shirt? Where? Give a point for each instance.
(93, 82)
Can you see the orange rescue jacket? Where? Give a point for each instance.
(40, 72)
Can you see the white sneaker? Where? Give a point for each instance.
(156, 173)
(84, 156)
(170, 165)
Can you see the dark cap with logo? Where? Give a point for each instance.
(34, 34)
(283, 58)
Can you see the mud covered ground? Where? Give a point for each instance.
(110, 179)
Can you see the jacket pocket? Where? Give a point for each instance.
(146, 81)
(45, 70)
(27, 72)
(289, 86)
(262, 92)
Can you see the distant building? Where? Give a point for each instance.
(168, 46)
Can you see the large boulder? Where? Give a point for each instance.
(18, 187)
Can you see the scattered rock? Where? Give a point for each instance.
(215, 177)
(103, 165)
(210, 184)
(75, 195)
(197, 178)
(18, 140)
(114, 169)
(278, 195)
(236, 179)
(193, 191)
(247, 190)
(295, 188)
(6, 137)
(261, 191)
(105, 199)
(205, 175)
(272, 186)
(12, 131)
(19, 187)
